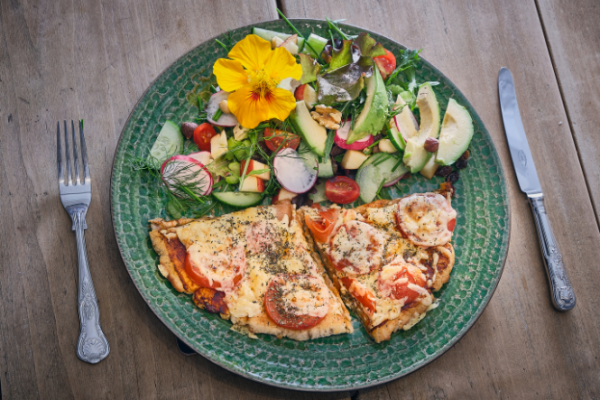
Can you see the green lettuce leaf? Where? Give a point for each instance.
(310, 68)
(368, 46)
(341, 84)
(342, 56)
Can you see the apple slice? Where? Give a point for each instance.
(218, 145)
(283, 194)
(252, 184)
(254, 165)
(308, 94)
(203, 156)
(353, 159)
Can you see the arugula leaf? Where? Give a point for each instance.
(329, 143)
(310, 68)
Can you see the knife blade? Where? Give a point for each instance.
(515, 134)
(563, 296)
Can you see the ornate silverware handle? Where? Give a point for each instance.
(563, 296)
(92, 346)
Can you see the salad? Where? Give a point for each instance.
(307, 119)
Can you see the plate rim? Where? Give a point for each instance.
(443, 351)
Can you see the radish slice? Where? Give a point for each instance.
(225, 120)
(341, 136)
(392, 183)
(295, 173)
(180, 171)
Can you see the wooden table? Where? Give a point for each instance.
(93, 60)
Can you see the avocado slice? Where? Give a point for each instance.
(313, 134)
(372, 117)
(415, 155)
(456, 134)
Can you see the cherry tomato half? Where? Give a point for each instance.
(386, 63)
(321, 229)
(342, 190)
(275, 137)
(202, 135)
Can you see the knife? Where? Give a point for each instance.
(563, 297)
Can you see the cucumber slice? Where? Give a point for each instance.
(325, 167)
(168, 143)
(317, 43)
(268, 35)
(319, 196)
(376, 172)
(238, 199)
(395, 137)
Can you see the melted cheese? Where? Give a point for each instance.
(219, 266)
(314, 302)
(359, 245)
(268, 246)
(424, 218)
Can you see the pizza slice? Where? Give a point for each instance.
(254, 267)
(387, 257)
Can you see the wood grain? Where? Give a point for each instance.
(91, 60)
(521, 347)
(94, 59)
(572, 36)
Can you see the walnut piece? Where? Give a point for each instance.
(327, 116)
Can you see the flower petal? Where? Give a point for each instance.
(251, 110)
(230, 74)
(252, 51)
(281, 64)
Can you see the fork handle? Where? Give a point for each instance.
(92, 346)
(563, 296)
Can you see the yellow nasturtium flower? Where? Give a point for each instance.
(252, 73)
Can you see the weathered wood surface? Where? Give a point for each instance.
(94, 59)
(521, 347)
(572, 33)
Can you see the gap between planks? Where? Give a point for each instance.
(567, 111)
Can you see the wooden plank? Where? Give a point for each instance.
(572, 33)
(521, 347)
(92, 60)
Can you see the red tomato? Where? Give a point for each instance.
(365, 297)
(386, 63)
(202, 135)
(278, 307)
(275, 137)
(407, 274)
(196, 275)
(342, 190)
(451, 224)
(321, 229)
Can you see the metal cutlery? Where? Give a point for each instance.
(75, 195)
(563, 296)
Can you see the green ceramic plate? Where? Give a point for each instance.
(335, 363)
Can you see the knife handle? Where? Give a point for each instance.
(563, 296)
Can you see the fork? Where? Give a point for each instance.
(75, 195)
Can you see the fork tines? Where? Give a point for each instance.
(72, 178)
